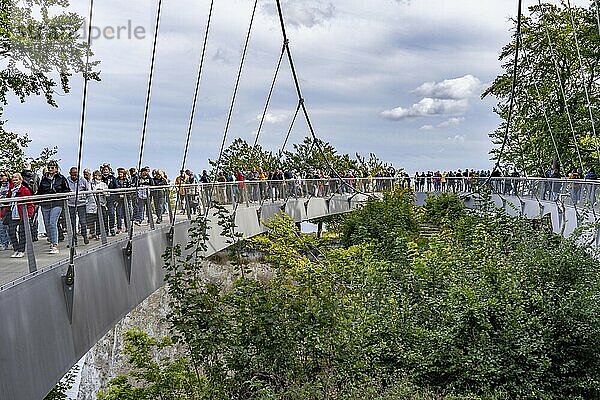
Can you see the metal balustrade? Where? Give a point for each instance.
(150, 207)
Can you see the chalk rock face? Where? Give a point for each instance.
(106, 361)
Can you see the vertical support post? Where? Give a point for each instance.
(70, 230)
(101, 219)
(128, 221)
(170, 209)
(149, 211)
(28, 240)
(187, 204)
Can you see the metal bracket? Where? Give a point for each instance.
(258, 213)
(170, 237)
(127, 252)
(68, 290)
(68, 282)
(522, 206)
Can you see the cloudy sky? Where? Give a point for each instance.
(400, 78)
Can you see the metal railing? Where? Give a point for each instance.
(574, 192)
(102, 215)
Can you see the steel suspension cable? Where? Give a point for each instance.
(598, 15)
(302, 102)
(70, 275)
(287, 136)
(582, 72)
(193, 110)
(560, 84)
(230, 113)
(264, 114)
(235, 91)
(539, 97)
(513, 87)
(231, 107)
(128, 249)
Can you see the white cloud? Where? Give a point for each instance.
(449, 123)
(273, 118)
(222, 55)
(458, 88)
(454, 121)
(427, 107)
(457, 138)
(304, 13)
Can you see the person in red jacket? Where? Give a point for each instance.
(14, 215)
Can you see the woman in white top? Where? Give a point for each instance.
(92, 206)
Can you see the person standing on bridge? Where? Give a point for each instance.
(52, 183)
(15, 217)
(111, 202)
(4, 188)
(78, 210)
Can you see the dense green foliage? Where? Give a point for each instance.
(489, 308)
(541, 110)
(306, 157)
(40, 50)
(444, 209)
(387, 224)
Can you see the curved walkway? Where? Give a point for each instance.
(38, 343)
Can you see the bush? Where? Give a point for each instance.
(444, 209)
(487, 309)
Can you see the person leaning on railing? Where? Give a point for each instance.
(13, 215)
(52, 183)
(4, 188)
(591, 195)
(96, 202)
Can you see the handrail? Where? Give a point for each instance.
(174, 186)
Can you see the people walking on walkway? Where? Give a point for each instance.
(15, 216)
(52, 182)
(4, 188)
(77, 206)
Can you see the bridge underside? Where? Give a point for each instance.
(38, 344)
(565, 219)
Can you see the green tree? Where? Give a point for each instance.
(488, 308)
(310, 156)
(40, 50)
(540, 111)
(241, 155)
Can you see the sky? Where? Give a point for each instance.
(399, 78)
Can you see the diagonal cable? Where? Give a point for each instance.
(513, 87)
(264, 114)
(582, 72)
(560, 83)
(303, 105)
(226, 130)
(70, 276)
(287, 136)
(539, 97)
(146, 112)
(235, 91)
(194, 104)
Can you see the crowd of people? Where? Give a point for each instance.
(108, 212)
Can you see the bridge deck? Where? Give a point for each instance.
(12, 269)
